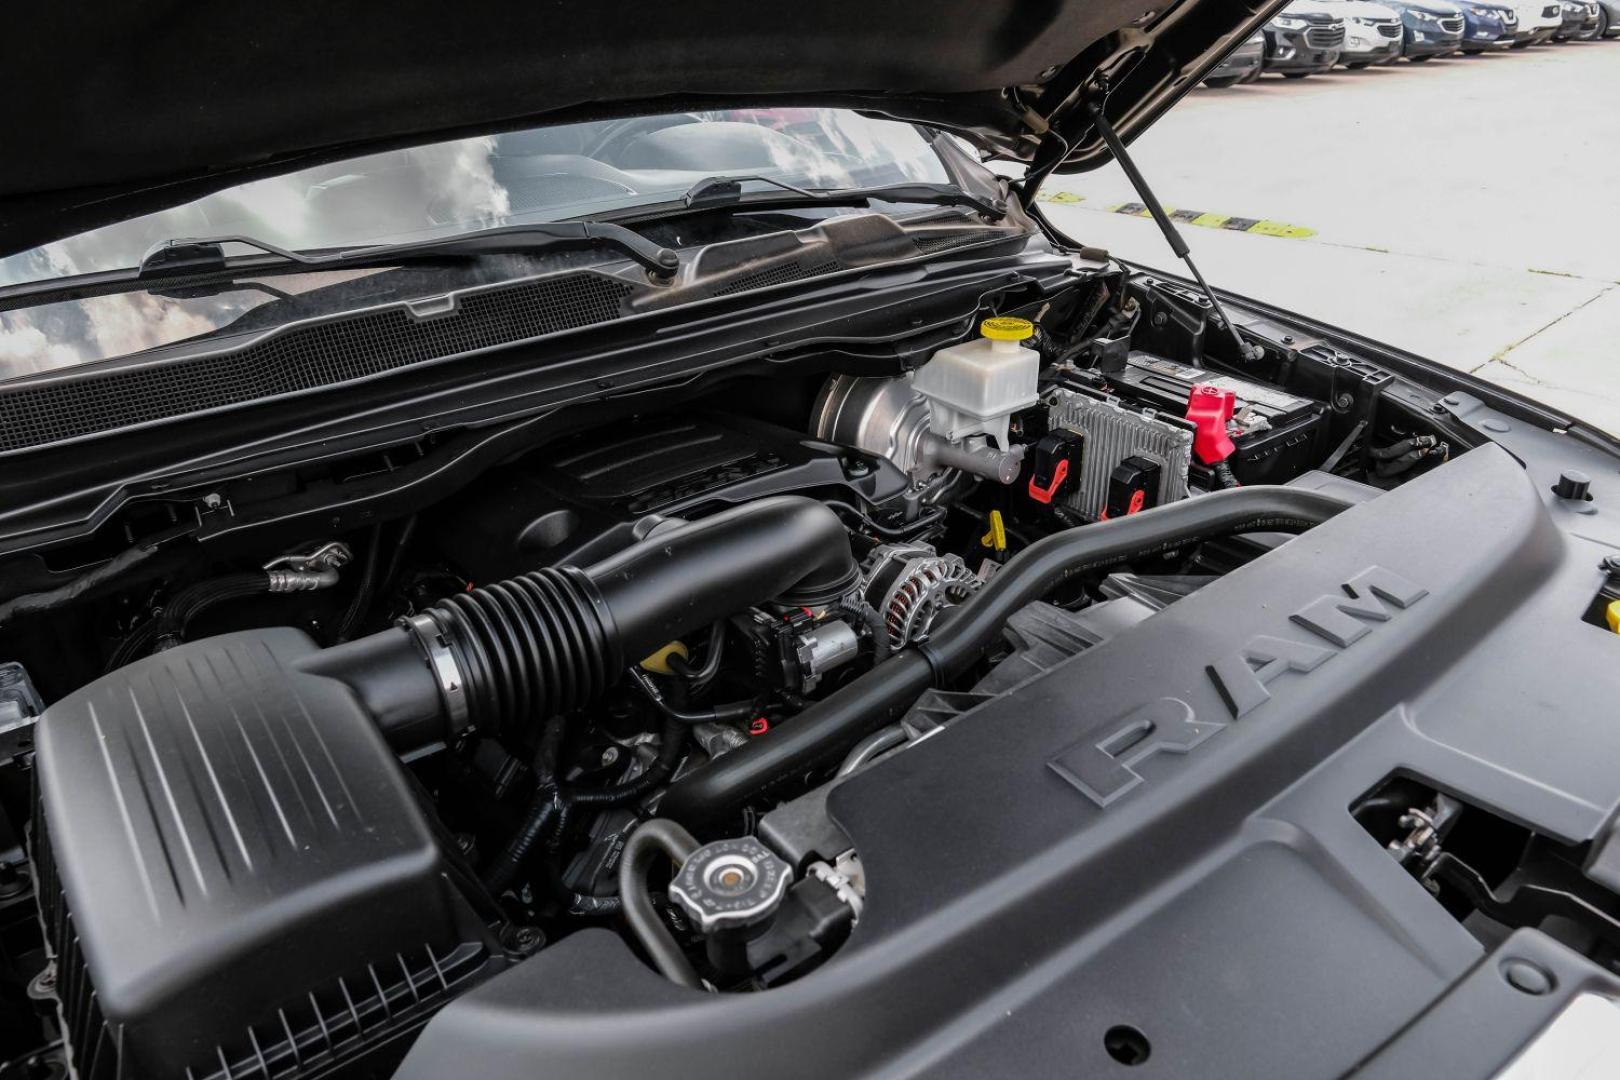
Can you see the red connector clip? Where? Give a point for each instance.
(1060, 473)
(1050, 461)
(1209, 408)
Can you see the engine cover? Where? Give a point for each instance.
(1032, 866)
(235, 876)
(581, 498)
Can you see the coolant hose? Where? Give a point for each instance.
(524, 650)
(652, 839)
(827, 729)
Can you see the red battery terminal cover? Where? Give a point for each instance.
(1209, 408)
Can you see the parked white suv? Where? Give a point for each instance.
(1539, 20)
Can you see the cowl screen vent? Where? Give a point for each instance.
(301, 357)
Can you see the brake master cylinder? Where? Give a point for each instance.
(974, 388)
(953, 413)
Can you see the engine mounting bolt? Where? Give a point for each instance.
(610, 755)
(43, 985)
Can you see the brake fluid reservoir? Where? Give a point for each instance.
(973, 388)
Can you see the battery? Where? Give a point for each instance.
(1277, 434)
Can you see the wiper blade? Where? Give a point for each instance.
(727, 191)
(207, 254)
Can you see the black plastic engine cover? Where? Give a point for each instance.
(576, 500)
(1149, 847)
(234, 868)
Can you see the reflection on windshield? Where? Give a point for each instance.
(49, 336)
(544, 174)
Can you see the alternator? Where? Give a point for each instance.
(910, 584)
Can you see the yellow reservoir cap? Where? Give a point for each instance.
(658, 662)
(1006, 328)
(1612, 613)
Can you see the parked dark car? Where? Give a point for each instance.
(494, 579)
(1488, 26)
(1433, 28)
(1608, 18)
(1581, 21)
(1244, 64)
(1305, 38)
(1373, 34)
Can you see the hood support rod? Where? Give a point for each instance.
(1166, 226)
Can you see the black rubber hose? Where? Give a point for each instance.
(828, 728)
(672, 744)
(551, 806)
(138, 642)
(716, 714)
(702, 676)
(401, 545)
(863, 610)
(187, 604)
(193, 600)
(361, 603)
(653, 839)
(542, 811)
(1402, 448)
(33, 603)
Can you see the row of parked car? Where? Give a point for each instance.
(1311, 36)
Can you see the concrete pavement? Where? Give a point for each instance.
(1467, 210)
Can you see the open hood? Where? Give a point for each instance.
(119, 110)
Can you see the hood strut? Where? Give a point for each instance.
(1095, 108)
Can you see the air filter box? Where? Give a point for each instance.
(235, 875)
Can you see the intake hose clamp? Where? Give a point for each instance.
(452, 684)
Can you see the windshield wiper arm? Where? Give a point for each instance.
(727, 191)
(207, 254)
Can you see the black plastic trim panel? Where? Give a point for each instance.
(1205, 884)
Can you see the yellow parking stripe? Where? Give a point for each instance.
(1278, 228)
(1201, 218)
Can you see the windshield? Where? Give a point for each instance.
(544, 174)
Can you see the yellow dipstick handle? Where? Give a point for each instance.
(997, 536)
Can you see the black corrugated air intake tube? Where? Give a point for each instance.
(527, 649)
(524, 650)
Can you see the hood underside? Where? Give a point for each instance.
(121, 110)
